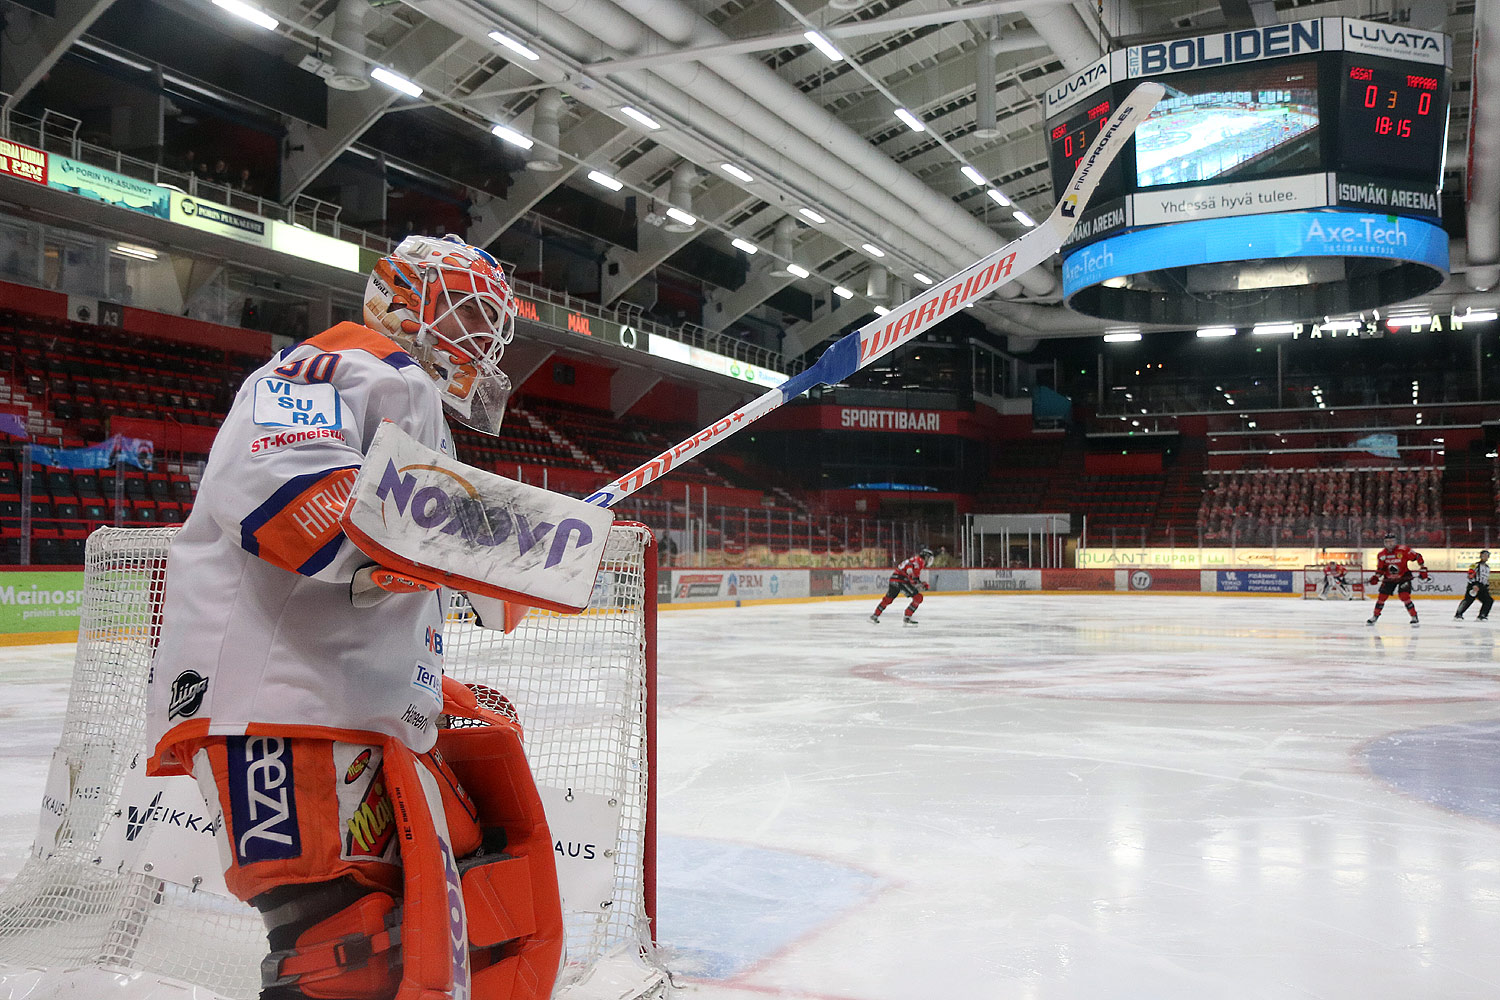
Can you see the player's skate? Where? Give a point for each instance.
(1414, 623)
(909, 620)
(1372, 620)
(875, 618)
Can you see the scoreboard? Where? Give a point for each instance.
(1326, 113)
(1393, 119)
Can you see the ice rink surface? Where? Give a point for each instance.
(1047, 797)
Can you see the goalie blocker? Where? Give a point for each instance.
(420, 512)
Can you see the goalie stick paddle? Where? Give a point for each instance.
(914, 317)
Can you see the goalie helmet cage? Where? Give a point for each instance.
(584, 688)
(1312, 582)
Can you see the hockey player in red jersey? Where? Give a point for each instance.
(1394, 574)
(905, 580)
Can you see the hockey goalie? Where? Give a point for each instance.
(1335, 584)
(299, 676)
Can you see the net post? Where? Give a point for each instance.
(648, 865)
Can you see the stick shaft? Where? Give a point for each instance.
(914, 317)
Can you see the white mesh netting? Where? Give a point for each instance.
(92, 896)
(1317, 587)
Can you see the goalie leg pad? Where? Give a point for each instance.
(352, 952)
(434, 930)
(516, 922)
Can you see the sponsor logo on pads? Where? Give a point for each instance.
(357, 767)
(373, 825)
(262, 801)
(456, 509)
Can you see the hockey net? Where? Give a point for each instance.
(124, 884)
(1317, 587)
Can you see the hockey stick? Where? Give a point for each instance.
(914, 317)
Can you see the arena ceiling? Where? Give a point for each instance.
(723, 109)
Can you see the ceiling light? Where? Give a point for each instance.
(736, 173)
(1480, 315)
(687, 219)
(1397, 322)
(1023, 218)
(513, 137)
(811, 216)
(799, 270)
(1121, 338)
(514, 46)
(998, 197)
(131, 250)
(1216, 331)
(881, 310)
(1272, 329)
(823, 45)
(604, 180)
(910, 120)
(873, 250)
(396, 81)
(842, 292)
(744, 245)
(973, 175)
(641, 117)
(257, 17)
(922, 278)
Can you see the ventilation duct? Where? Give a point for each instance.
(1483, 242)
(1066, 35)
(984, 83)
(680, 195)
(781, 246)
(877, 284)
(546, 131)
(350, 72)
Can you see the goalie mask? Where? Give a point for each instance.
(449, 305)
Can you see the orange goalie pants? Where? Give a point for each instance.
(302, 810)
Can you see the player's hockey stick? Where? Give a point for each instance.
(914, 317)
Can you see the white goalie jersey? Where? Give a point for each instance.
(258, 630)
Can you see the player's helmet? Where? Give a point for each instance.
(1483, 553)
(925, 552)
(420, 286)
(1390, 536)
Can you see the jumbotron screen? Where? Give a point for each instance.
(1240, 125)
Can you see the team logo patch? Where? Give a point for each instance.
(262, 801)
(280, 402)
(187, 694)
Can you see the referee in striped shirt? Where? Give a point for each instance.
(1479, 586)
